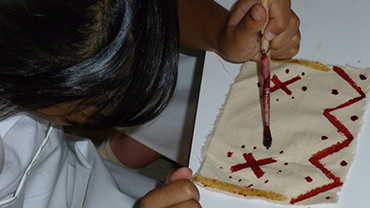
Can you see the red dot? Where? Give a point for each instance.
(266, 181)
(250, 185)
(239, 180)
(287, 71)
(229, 154)
(304, 88)
(363, 77)
(308, 179)
(258, 84)
(254, 147)
(243, 146)
(328, 197)
(230, 177)
(281, 152)
(303, 73)
(354, 118)
(286, 163)
(324, 137)
(334, 92)
(343, 163)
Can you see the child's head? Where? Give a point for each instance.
(113, 61)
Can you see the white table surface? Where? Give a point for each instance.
(333, 32)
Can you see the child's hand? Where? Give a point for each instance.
(239, 39)
(178, 192)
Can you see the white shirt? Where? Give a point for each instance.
(63, 173)
(18, 151)
(2, 155)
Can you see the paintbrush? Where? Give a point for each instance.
(265, 71)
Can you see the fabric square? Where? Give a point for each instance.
(316, 115)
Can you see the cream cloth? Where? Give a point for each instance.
(316, 114)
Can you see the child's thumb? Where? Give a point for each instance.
(180, 174)
(254, 19)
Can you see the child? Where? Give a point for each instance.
(102, 63)
(131, 148)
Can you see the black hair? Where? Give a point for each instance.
(118, 56)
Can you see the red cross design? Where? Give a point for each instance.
(252, 163)
(283, 85)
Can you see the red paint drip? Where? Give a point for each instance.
(252, 163)
(363, 77)
(308, 179)
(354, 118)
(334, 92)
(315, 158)
(229, 154)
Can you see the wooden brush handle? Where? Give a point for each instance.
(265, 45)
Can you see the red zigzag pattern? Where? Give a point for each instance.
(315, 159)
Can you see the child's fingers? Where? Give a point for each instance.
(280, 16)
(251, 24)
(188, 204)
(241, 34)
(287, 43)
(174, 193)
(240, 10)
(287, 51)
(182, 173)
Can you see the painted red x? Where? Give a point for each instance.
(283, 85)
(252, 163)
